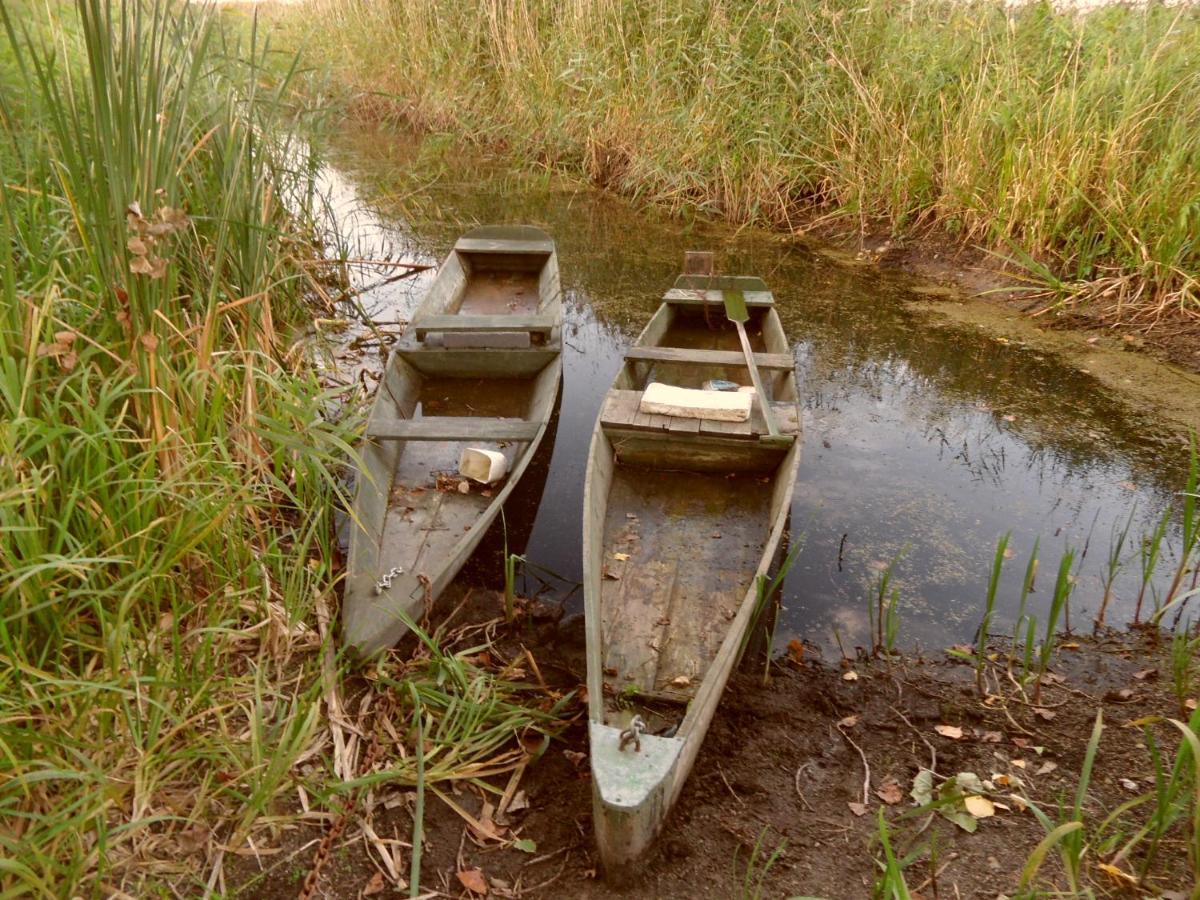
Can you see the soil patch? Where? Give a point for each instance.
(775, 805)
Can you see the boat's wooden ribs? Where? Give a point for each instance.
(454, 428)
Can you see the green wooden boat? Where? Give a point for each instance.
(479, 367)
(682, 514)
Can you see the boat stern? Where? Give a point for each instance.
(631, 794)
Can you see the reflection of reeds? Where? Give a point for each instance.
(1189, 528)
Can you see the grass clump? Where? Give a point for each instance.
(1068, 142)
(164, 502)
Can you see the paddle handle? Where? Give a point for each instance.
(768, 413)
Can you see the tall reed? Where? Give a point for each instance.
(1064, 141)
(165, 543)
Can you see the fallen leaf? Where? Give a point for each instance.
(620, 557)
(890, 792)
(859, 809)
(979, 807)
(525, 845)
(374, 886)
(473, 881)
(848, 722)
(1001, 779)
(1146, 673)
(922, 789)
(1043, 713)
(1047, 767)
(850, 676)
(796, 650)
(1124, 695)
(1019, 763)
(1130, 785)
(1117, 875)
(1019, 802)
(1021, 741)
(949, 731)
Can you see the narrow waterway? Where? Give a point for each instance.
(926, 440)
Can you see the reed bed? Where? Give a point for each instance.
(1068, 143)
(167, 478)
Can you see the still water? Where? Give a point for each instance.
(925, 441)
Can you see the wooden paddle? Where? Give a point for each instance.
(738, 314)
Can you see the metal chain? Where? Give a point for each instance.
(385, 582)
(633, 734)
(326, 846)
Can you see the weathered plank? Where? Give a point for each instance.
(690, 297)
(773, 361)
(540, 323)
(454, 428)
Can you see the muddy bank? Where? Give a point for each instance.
(788, 788)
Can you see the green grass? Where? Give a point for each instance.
(168, 479)
(1070, 143)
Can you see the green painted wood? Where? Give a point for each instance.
(454, 428)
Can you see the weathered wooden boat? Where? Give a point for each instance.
(682, 518)
(479, 367)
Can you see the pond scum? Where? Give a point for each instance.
(169, 692)
(1069, 143)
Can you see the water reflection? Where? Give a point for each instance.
(925, 441)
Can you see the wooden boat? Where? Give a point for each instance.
(682, 516)
(480, 366)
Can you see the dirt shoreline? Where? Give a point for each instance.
(772, 807)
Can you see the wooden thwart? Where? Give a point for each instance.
(772, 361)
(454, 428)
(540, 324)
(621, 410)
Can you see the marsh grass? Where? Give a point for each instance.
(1067, 143)
(165, 559)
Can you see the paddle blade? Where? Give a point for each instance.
(735, 306)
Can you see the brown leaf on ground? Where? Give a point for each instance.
(949, 731)
(848, 722)
(890, 792)
(374, 886)
(473, 881)
(850, 676)
(1043, 713)
(859, 809)
(1145, 674)
(796, 650)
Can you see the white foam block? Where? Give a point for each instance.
(689, 403)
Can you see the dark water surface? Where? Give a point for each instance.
(925, 441)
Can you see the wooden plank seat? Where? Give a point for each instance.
(621, 410)
(714, 297)
(540, 324)
(454, 428)
(773, 361)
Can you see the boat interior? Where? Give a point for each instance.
(690, 507)
(423, 422)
